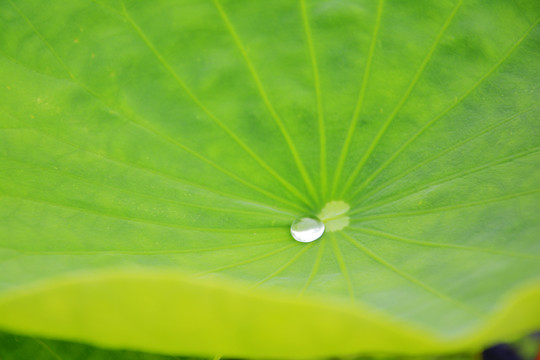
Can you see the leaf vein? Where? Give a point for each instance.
(403, 100)
(198, 102)
(266, 100)
(445, 111)
(448, 208)
(131, 219)
(315, 267)
(284, 266)
(393, 237)
(140, 124)
(360, 101)
(138, 193)
(449, 178)
(143, 252)
(247, 261)
(322, 135)
(442, 153)
(408, 277)
(162, 174)
(342, 266)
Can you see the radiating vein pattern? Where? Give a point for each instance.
(190, 135)
(405, 97)
(266, 100)
(149, 128)
(212, 116)
(320, 115)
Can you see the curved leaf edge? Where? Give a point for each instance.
(169, 312)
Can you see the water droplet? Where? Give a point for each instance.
(307, 229)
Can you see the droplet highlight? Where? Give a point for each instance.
(307, 229)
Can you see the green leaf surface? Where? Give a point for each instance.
(154, 154)
(20, 347)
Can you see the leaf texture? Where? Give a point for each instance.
(154, 154)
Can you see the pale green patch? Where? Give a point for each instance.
(334, 217)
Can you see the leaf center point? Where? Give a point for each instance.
(333, 215)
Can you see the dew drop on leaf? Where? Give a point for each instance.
(307, 229)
